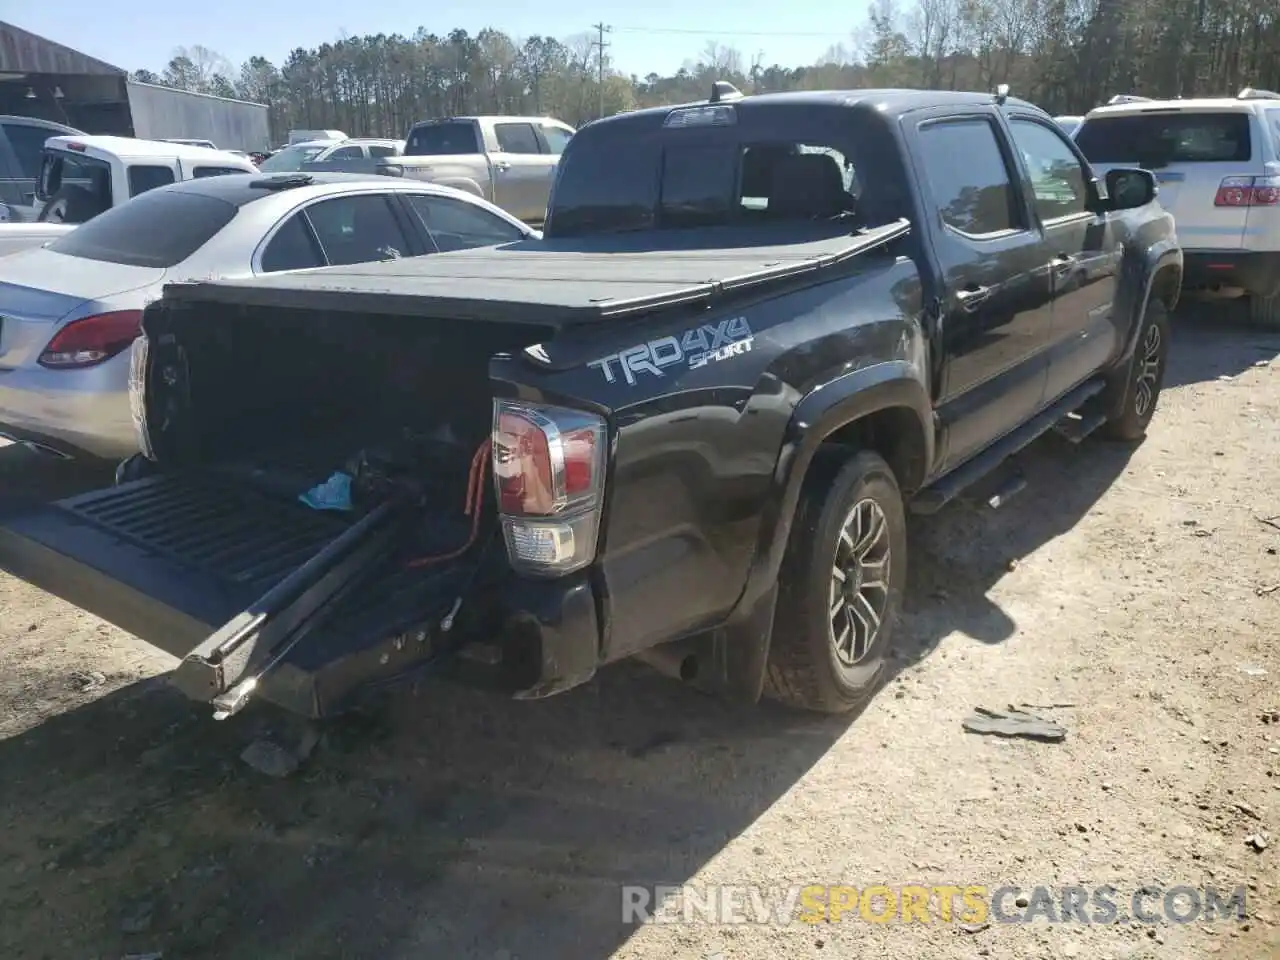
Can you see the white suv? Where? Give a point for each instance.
(1218, 165)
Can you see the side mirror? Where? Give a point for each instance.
(1130, 187)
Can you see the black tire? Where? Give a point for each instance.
(805, 670)
(1265, 312)
(1143, 379)
(71, 204)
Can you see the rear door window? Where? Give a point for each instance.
(378, 150)
(359, 229)
(199, 172)
(1157, 138)
(158, 229)
(516, 138)
(968, 177)
(146, 176)
(346, 153)
(436, 139)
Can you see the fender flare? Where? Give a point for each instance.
(1160, 255)
(825, 409)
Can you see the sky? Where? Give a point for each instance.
(658, 36)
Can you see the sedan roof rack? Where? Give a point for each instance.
(1252, 93)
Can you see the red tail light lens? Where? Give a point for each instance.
(544, 464)
(1248, 192)
(91, 340)
(548, 467)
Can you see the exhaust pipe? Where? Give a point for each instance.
(36, 446)
(675, 660)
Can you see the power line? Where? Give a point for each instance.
(601, 29)
(724, 33)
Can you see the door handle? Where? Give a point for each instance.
(502, 165)
(1062, 263)
(971, 297)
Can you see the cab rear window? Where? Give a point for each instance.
(160, 228)
(1156, 138)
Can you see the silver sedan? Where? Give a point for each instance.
(69, 310)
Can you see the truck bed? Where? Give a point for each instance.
(558, 282)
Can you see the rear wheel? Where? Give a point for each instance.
(840, 588)
(1145, 377)
(1265, 311)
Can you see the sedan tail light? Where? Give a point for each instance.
(92, 340)
(548, 468)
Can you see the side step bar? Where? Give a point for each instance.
(227, 667)
(936, 496)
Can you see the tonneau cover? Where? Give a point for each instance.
(556, 282)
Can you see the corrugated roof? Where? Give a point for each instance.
(23, 52)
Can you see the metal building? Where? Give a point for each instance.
(44, 79)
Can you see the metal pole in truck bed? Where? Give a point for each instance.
(227, 667)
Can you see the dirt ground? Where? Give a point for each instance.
(1130, 585)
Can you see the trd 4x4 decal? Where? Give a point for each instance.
(708, 343)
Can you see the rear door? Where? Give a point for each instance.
(994, 268)
(1191, 151)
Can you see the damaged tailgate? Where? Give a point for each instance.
(228, 578)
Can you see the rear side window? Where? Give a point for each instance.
(968, 177)
(516, 138)
(378, 150)
(157, 229)
(1273, 124)
(146, 176)
(293, 247)
(199, 172)
(442, 138)
(1155, 139)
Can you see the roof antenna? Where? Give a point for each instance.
(722, 90)
(1002, 93)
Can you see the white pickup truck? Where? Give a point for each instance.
(509, 161)
(83, 176)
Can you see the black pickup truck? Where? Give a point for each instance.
(684, 426)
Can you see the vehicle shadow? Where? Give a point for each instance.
(1213, 339)
(27, 475)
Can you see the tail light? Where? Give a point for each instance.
(1248, 192)
(548, 468)
(91, 340)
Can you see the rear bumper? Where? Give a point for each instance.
(1258, 273)
(73, 411)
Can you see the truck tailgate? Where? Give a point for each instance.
(170, 558)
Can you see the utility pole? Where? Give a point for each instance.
(601, 29)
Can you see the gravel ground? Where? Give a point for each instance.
(1127, 586)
